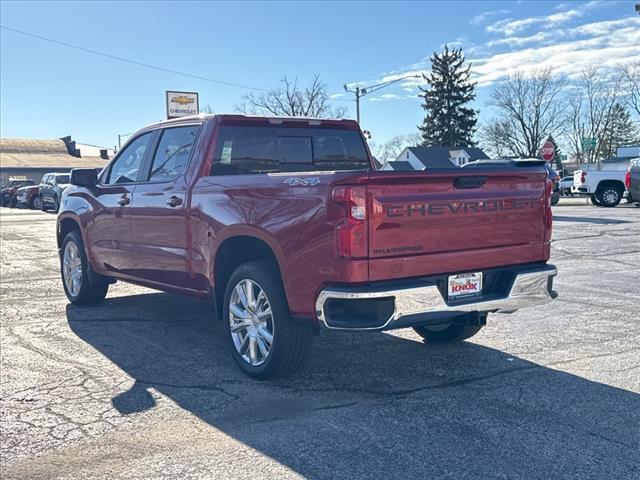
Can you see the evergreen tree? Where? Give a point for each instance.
(620, 131)
(449, 121)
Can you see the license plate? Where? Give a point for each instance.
(465, 284)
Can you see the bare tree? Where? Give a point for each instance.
(529, 109)
(631, 86)
(292, 101)
(590, 111)
(497, 138)
(390, 150)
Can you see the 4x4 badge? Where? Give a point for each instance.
(304, 181)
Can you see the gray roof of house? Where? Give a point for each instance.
(401, 165)
(438, 157)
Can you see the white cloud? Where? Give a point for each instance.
(481, 18)
(386, 97)
(510, 26)
(520, 41)
(333, 96)
(618, 43)
(606, 43)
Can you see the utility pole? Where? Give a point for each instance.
(360, 92)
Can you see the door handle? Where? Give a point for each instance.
(124, 200)
(174, 201)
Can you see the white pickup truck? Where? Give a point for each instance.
(606, 187)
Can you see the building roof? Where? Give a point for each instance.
(30, 153)
(438, 157)
(401, 165)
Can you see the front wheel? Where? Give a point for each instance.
(454, 332)
(264, 340)
(36, 203)
(75, 271)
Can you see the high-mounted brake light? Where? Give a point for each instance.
(351, 236)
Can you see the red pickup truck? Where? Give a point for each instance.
(285, 224)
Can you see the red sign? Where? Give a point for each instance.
(548, 151)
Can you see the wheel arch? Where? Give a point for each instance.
(234, 251)
(66, 225)
(618, 184)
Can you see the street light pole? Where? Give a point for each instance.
(360, 92)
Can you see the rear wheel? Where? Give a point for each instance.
(608, 196)
(595, 200)
(264, 340)
(43, 205)
(456, 331)
(80, 286)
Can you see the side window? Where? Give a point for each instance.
(173, 152)
(126, 167)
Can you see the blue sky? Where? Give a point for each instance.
(51, 91)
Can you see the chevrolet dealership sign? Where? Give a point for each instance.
(182, 104)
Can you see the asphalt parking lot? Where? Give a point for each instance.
(141, 386)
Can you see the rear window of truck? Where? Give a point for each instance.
(250, 150)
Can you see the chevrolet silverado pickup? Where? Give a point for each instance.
(285, 225)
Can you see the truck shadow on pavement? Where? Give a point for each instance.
(595, 220)
(370, 405)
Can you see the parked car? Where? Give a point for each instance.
(605, 187)
(51, 188)
(8, 194)
(504, 163)
(632, 183)
(286, 224)
(564, 186)
(29, 197)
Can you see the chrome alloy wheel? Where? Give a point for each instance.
(610, 196)
(72, 269)
(251, 322)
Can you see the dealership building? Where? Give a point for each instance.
(31, 159)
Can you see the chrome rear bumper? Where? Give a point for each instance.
(529, 288)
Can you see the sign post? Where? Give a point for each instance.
(182, 104)
(548, 151)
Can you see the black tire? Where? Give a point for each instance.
(56, 204)
(555, 199)
(291, 339)
(43, 205)
(93, 288)
(456, 331)
(595, 200)
(36, 203)
(608, 196)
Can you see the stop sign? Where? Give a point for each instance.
(548, 151)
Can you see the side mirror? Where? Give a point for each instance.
(84, 177)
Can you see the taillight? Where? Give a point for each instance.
(548, 214)
(583, 175)
(352, 232)
(627, 179)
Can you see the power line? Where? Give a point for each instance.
(133, 62)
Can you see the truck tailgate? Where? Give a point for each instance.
(427, 223)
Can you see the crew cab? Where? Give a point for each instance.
(285, 224)
(51, 188)
(605, 187)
